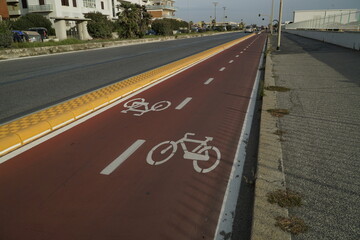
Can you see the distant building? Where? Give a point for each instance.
(304, 15)
(161, 8)
(4, 13)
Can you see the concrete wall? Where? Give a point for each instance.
(344, 39)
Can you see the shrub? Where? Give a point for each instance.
(100, 26)
(161, 27)
(33, 20)
(5, 35)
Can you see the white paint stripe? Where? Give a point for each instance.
(36, 136)
(125, 155)
(222, 69)
(226, 218)
(237, 56)
(183, 103)
(208, 81)
(241, 52)
(63, 124)
(9, 149)
(231, 61)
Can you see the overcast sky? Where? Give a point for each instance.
(248, 10)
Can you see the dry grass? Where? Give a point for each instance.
(294, 225)
(285, 198)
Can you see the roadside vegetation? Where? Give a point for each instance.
(133, 22)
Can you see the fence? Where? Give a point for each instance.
(349, 21)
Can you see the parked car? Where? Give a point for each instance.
(32, 36)
(41, 30)
(18, 36)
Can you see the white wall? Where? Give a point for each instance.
(344, 39)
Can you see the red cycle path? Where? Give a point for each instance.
(55, 190)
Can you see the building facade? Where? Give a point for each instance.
(4, 12)
(161, 8)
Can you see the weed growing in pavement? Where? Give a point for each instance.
(278, 112)
(285, 198)
(280, 133)
(277, 88)
(294, 225)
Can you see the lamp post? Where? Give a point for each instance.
(272, 18)
(215, 4)
(279, 25)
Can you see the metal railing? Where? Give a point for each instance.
(41, 8)
(349, 21)
(159, 7)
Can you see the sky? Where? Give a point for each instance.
(248, 10)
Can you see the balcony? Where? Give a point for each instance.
(12, 1)
(160, 7)
(16, 12)
(41, 8)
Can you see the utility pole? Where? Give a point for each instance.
(272, 18)
(279, 24)
(215, 4)
(224, 15)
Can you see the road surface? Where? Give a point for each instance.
(160, 173)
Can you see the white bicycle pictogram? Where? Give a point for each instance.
(139, 105)
(205, 158)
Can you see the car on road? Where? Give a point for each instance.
(32, 36)
(41, 30)
(249, 29)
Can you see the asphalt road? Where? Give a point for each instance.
(31, 84)
(130, 174)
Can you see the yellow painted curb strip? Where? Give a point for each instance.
(24, 130)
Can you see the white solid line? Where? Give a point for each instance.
(222, 69)
(119, 160)
(225, 221)
(183, 103)
(208, 81)
(231, 61)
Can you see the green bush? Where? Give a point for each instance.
(33, 20)
(162, 27)
(5, 35)
(100, 26)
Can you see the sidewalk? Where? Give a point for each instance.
(316, 149)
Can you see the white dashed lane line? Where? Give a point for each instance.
(208, 81)
(183, 103)
(231, 61)
(222, 69)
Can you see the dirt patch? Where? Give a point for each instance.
(277, 88)
(285, 198)
(278, 112)
(294, 225)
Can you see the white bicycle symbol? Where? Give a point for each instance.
(203, 161)
(139, 105)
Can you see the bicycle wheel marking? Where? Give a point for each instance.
(205, 158)
(139, 106)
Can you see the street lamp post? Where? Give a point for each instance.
(215, 4)
(279, 24)
(272, 18)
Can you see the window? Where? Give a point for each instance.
(102, 5)
(41, 2)
(89, 3)
(65, 2)
(74, 3)
(24, 3)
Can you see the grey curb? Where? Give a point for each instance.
(270, 175)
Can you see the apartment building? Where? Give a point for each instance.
(4, 13)
(161, 8)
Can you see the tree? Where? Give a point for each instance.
(5, 34)
(33, 20)
(133, 20)
(99, 26)
(162, 27)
